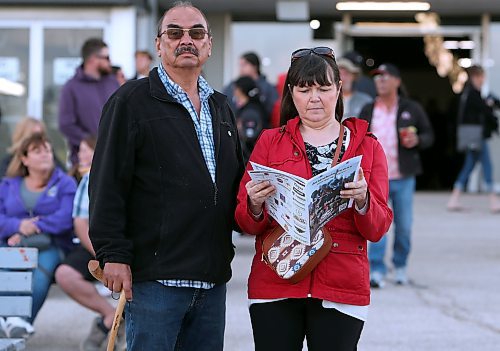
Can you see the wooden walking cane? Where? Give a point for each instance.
(97, 272)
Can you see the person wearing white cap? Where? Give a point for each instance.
(353, 100)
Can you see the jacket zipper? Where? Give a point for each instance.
(215, 193)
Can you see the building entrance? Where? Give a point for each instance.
(422, 83)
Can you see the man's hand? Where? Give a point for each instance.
(117, 276)
(409, 137)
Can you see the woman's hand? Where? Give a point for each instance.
(14, 240)
(258, 192)
(28, 227)
(356, 190)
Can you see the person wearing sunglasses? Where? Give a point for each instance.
(163, 187)
(84, 95)
(329, 306)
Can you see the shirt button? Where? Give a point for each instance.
(335, 245)
(296, 153)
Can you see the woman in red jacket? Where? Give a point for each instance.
(330, 305)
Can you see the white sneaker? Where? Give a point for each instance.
(3, 328)
(18, 327)
(400, 276)
(377, 280)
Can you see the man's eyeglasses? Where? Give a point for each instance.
(320, 50)
(177, 33)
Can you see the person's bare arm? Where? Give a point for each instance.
(81, 226)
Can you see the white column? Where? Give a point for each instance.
(35, 86)
(121, 38)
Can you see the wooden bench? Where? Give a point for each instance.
(16, 286)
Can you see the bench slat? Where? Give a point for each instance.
(19, 282)
(12, 344)
(18, 257)
(15, 306)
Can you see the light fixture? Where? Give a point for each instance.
(292, 10)
(314, 24)
(455, 44)
(465, 62)
(383, 6)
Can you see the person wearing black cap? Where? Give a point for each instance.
(403, 128)
(250, 66)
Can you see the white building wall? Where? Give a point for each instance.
(273, 42)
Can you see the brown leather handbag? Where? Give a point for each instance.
(291, 259)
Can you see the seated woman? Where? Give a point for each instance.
(36, 201)
(24, 128)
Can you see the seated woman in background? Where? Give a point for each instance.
(36, 201)
(85, 154)
(24, 128)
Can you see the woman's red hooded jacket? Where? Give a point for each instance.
(343, 275)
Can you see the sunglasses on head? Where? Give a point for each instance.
(320, 50)
(177, 33)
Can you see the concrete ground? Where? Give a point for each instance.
(451, 304)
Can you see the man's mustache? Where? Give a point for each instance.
(183, 49)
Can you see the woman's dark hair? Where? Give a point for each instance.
(16, 166)
(307, 71)
(248, 87)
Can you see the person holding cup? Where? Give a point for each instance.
(403, 128)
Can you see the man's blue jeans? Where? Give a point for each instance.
(401, 195)
(162, 318)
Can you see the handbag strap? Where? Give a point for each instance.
(340, 141)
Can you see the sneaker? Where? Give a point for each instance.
(97, 335)
(3, 328)
(377, 280)
(17, 327)
(400, 276)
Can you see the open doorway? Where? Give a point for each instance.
(422, 83)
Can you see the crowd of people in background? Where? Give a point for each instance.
(45, 204)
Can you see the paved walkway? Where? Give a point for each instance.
(452, 303)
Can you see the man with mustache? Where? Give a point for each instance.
(84, 95)
(163, 192)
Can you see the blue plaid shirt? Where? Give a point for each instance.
(203, 127)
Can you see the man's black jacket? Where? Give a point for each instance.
(153, 204)
(410, 113)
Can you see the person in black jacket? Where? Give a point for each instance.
(403, 128)
(250, 114)
(475, 111)
(163, 187)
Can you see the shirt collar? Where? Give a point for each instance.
(174, 89)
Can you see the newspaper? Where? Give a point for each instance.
(303, 206)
